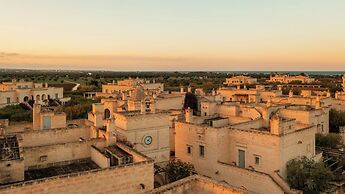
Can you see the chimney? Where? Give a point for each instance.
(124, 95)
(189, 115)
(275, 125)
(317, 103)
(36, 116)
(269, 102)
(213, 92)
(142, 107)
(110, 132)
(153, 106)
(189, 89)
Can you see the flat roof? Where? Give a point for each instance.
(9, 148)
(75, 166)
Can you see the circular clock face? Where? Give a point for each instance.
(148, 140)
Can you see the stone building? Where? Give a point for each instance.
(130, 84)
(291, 78)
(52, 155)
(240, 80)
(308, 109)
(20, 91)
(311, 109)
(147, 129)
(131, 92)
(197, 184)
(246, 95)
(245, 144)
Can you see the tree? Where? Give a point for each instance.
(331, 140)
(307, 175)
(176, 170)
(190, 101)
(15, 113)
(336, 120)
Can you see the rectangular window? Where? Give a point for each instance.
(8, 100)
(189, 149)
(257, 160)
(43, 158)
(241, 158)
(201, 150)
(56, 95)
(308, 148)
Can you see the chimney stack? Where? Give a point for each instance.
(189, 115)
(142, 107)
(189, 89)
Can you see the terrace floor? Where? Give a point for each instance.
(78, 166)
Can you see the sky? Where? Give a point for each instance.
(199, 35)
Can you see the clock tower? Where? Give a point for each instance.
(147, 131)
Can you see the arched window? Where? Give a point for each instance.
(43, 96)
(38, 97)
(26, 98)
(106, 113)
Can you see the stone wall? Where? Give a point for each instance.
(196, 184)
(338, 104)
(247, 179)
(53, 136)
(11, 171)
(99, 158)
(44, 155)
(133, 178)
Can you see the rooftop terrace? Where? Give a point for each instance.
(73, 167)
(9, 148)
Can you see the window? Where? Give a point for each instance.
(43, 158)
(201, 150)
(308, 148)
(56, 95)
(189, 149)
(257, 160)
(8, 100)
(241, 158)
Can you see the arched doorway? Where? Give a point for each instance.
(26, 98)
(106, 113)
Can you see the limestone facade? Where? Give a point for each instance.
(245, 95)
(240, 80)
(69, 156)
(197, 185)
(20, 91)
(257, 137)
(147, 129)
(130, 84)
(291, 78)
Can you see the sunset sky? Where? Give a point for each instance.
(173, 34)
